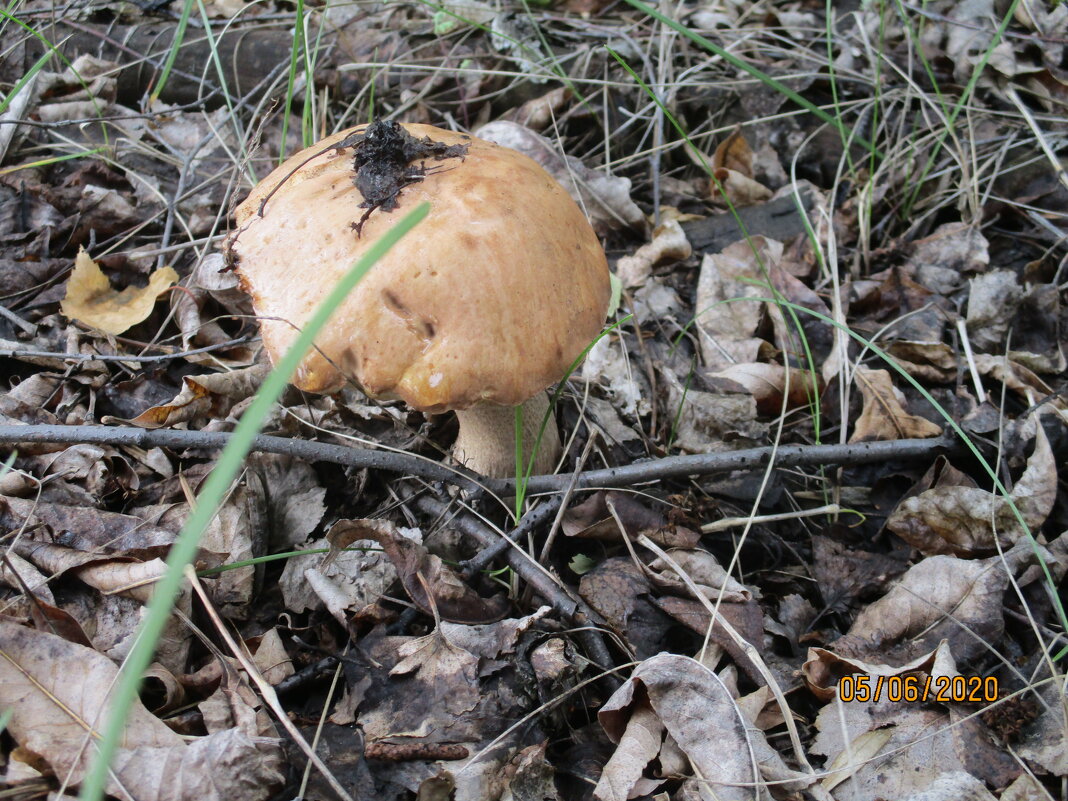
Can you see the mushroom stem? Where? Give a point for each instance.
(486, 443)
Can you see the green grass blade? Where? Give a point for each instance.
(176, 44)
(294, 55)
(211, 496)
(25, 79)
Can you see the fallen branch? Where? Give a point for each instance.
(638, 473)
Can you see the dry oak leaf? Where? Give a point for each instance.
(726, 323)
(823, 670)
(963, 520)
(884, 416)
(941, 597)
(53, 715)
(689, 702)
(90, 298)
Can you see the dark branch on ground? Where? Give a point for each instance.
(638, 473)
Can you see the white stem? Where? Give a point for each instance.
(486, 443)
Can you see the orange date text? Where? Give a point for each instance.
(912, 688)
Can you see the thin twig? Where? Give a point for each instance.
(18, 353)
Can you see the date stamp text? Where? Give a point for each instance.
(918, 689)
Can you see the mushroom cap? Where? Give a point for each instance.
(489, 299)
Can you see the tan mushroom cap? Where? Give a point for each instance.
(489, 299)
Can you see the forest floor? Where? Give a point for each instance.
(806, 537)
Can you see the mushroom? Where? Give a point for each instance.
(478, 310)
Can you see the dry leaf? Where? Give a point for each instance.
(992, 303)
(55, 690)
(726, 322)
(349, 581)
(420, 571)
(883, 416)
(700, 715)
(767, 383)
(668, 243)
(211, 395)
(941, 597)
(593, 519)
(91, 300)
(962, 520)
(824, 669)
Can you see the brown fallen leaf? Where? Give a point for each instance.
(90, 298)
(692, 705)
(824, 669)
(593, 519)
(205, 396)
(884, 416)
(768, 383)
(668, 243)
(449, 597)
(726, 322)
(847, 574)
(941, 597)
(56, 689)
(963, 520)
(619, 591)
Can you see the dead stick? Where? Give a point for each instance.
(640, 472)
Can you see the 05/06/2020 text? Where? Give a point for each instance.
(918, 688)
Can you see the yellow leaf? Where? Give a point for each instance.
(91, 300)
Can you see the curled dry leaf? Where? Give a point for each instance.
(91, 300)
(706, 572)
(449, 596)
(539, 112)
(1022, 380)
(884, 416)
(772, 384)
(689, 702)
(605, 198)
(732, 173)
(56, 689)
(824, 669)
(205, 396)
(668, 243)
(593, 519)
(726, 322)
(964, 520)
(942, 597)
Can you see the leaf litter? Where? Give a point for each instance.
(445, 671)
